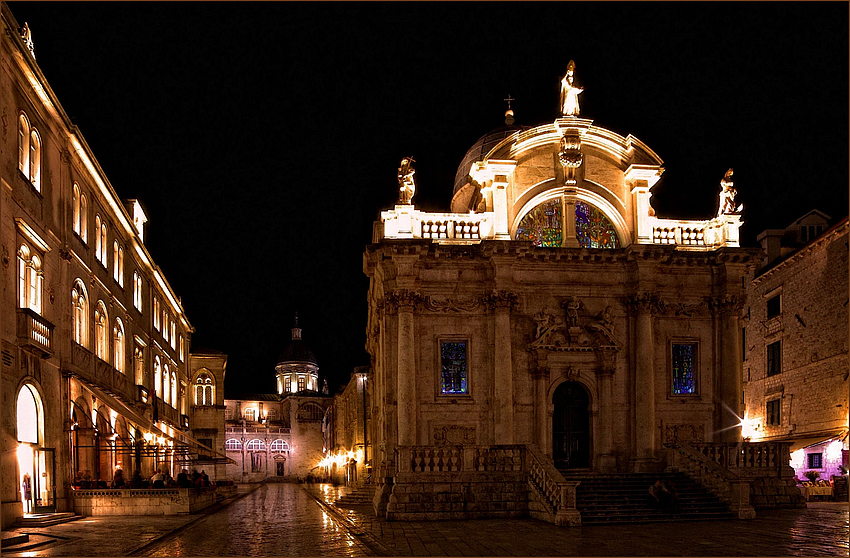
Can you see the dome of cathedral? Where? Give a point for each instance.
(479, 150)
(296, 350)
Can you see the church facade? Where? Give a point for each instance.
(551, 312)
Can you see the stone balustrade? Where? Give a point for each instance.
(155, 501)
(34, 331)
(406, 222)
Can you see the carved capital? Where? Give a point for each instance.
(65, 255)
(729, 304)
(501, 299)
(401, 300)
(643, 303)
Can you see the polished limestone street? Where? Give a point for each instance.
(302, 520)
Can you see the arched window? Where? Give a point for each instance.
(255, 445)
(310, 412)
(84, 218)
(24, 144)
(118, 263)
(139, 365)
(233, 445)
(35, 160)
(173, 333)
(181, 349)
(103, 258)
(279, 446)
(101, 332)
(30, 279)
(76, 208)
(120, 346)
(544, 224)
(204, 389)
(174, 388)
(28, 416)
(166, 384)
(137, 291)
(79, 300)
(97, 238)
(157, 376)
(156, 316)
(593, 229)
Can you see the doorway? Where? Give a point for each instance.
(279, 467)
(571, 426)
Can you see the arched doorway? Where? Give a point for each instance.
(571, 426)
(36, 464)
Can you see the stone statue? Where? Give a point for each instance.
(406, 186)
(569, 92)
(727, 196)
(573, 305)
(26, 35)
(605, 325)
(544, 321)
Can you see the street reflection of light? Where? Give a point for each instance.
(27, 554)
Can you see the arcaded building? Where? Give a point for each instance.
(796, 336)
(551, 310)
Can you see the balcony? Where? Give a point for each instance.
(167, 413)
(34, 331)
(102, 374)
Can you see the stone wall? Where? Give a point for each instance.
(772, 492)
(458, 495)
(163, 501)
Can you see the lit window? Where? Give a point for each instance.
(103, 243)
(593, 229)
(29, 152)
(279, 446)
(302, 383)
(166, 387)
(118, 333)
(27, 414)
(100, 239)
(815, 460)
(182, 348)
(233, 445)
(174, 388)
(271, 414)
(773, 412)
(139, 365)
(453, 370)
(156, 316)
(684, 368)
(173, 332)
(30, 279)
(542, 225)
(76, 208)
(287, 384)
(137, 291)
(774, 306)
(204, 389)
(118, 263)
(101, 335)
(35, 160)
(774, 358)
(250, 414)
(84, 218)
(157, 376)
(79, 301)
(255, 445)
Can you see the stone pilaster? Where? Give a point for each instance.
(404, 302)
(606, 462)
(643, 306)
(728, 316)
(501, 302)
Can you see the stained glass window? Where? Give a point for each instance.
(542, 225)
(453, 368)
(684, 368)
(593, 229)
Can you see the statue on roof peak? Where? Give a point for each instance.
(406, 185)
(570, 92)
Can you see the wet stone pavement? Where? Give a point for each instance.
(301, 520)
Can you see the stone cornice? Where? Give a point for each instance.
(827, 237)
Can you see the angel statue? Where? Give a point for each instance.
(727, 196)
(406, 186)
(569, 92)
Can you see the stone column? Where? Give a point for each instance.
(503, 375)
(644, 378)
(541, 406)
(731, 388)
(606, 462)
(569, 239)
(405, 302)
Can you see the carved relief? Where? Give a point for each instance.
(401, 299)
(501, 299)
(569, 333)
(678, 433)
(451, 304)
(729, 304)
(645, 303)
(454, 435)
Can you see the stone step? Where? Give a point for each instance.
(13, 540)
(48, 519)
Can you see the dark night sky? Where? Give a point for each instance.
(263, 138)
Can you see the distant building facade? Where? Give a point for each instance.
(95, 343)
(796, 335)
(279, 436)
(347, 428)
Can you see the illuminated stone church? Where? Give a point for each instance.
(551, 313)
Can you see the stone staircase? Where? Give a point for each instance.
(47, 519)
(360, 497)
(624, 498)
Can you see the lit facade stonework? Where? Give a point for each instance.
(94, 340)
(796, 358)
(552, 319)
(347, 429)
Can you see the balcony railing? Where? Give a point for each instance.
(35, 331)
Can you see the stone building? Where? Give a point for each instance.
(94, 340)
(206, 419)
(347, 428)
(550, 319)
(279, 436)
(796, 335)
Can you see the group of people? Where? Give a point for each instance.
(663, 495)
(159, 479)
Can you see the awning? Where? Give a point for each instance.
(803, 443)
(146, 423)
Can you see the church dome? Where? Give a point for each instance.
(296, 350)
(479, 150)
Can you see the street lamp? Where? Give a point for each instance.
(363, 377)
